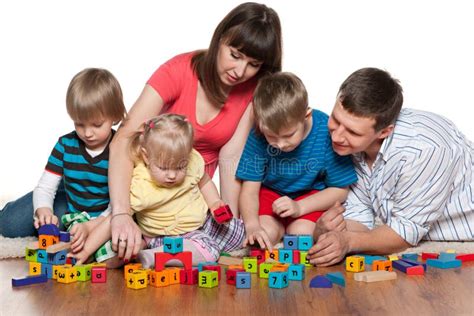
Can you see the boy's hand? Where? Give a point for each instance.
(45, 216)
(257, 234)
(285, 207)
(331, 220)
(79, 233)
(81, 256)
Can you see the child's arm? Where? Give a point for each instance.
(248, 204)
(210, 193)
(98, 235)
(43, 199)
(80, 232)
(322, 200)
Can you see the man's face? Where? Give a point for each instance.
(351, 134)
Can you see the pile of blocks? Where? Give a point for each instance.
(48, 260)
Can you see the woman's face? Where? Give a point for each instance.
(235, 67)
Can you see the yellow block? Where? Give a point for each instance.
(450, 251)
(130, 268)
(355, 264)
(67, 275)
(35, 268)
(392, 257)
(137, 280)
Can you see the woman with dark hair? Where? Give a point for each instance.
(213, 88)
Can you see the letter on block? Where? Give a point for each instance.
(208, 279)
(189, 277)
(278, 280)
(223, 214)
(296, 272)
(47, 269)
(305, 242)
(264, 270)
(271, 255)
(243, 280)
(173, 244)
(42, 256)
(385, 265)
(138, 280)
(99, 274)
(130, 268)
(285, 255)
(355, 264)
(259, 254)
(250, 264)
(35, 268)
(290, 242)
(45, 241)
(296, 257)
(67, 274)
(304, 258)
(31, 255)
(173, 274)
(84, 272)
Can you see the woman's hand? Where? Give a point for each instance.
(126, 236)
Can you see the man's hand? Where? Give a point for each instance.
(285, 206)
(255, 233)
(126, 236)
(330, 249)
(331, 220)
(45, 216)
(79, 233)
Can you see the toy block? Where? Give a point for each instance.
(71, 260)
(235, 266)
(208, 279)
(214, 268)
(415, 263)
(31, 279)
(250, 264)
(320, 281)
(227, 261)
(465, 257)
(58, 247)
(336, 278)
(444, 256)
(98, 265)
(67, 274)
(57, 258)
(264, 270)
(189, 277)
(231, 275)
(137, 280)
(186, 258)
(375, 276)
(31, 255)
(42, 256)
(271, 254)
(147, 272)
(305, 242)
(84, 272)
(173, 274)
(285, 255)
(428, 255)
(282, 267)
(173, 244)
(290, 242)
(450, 251)
(48, 229)
(47, 269)
(223, 214)
(99, 274)
(355, 264)
(382, 265)
(296, 257)
(304, 259)
(207, 263)
(64, 237)
(34, 268)
(44, 241)
(410, 256)
(368, 259)
(436, 263)
(243, 280)
(296, 272)
(157, 278)
(56, 269)
(259, 254)
(33, 245)
(392, 257)
(130, 268)
(278, 280)
(407, 268)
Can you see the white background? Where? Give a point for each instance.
(426, 44)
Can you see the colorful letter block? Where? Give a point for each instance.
(67, 274)
(264, 270)
(355, 264)
(173, 274)
(31, 255)
(84, 272)
(159, 278)
(385, 265)
(296, 257)
(173, 244)
(44, 241)
(231, 275)
(250, 264)
(290, 242)
(296, 272)
(130, 268)
(216, 268)
(304, 258)
(271, 255)
(278, 280)
(189, 277)
(34, 268)
(137, 280)
(99, 274)
(305, 242)
(42, 255)
(47, 269)
(285, 255)
(243, 280)
(223, 214)
(259, 254)
(208, 279)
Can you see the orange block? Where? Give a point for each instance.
(385, 265)
(271, 255)
(280, 267)
(173, 275)
(44, 241)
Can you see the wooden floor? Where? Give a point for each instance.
(439, 292)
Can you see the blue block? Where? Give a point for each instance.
(173, 244)
(48, 229)
(278, 280)
(320, 281)
(47, 269)
(441, 264)
(410, 256)
(337, 278)
(64, 236)
(415, 263)
(296, 272)
(444, 256)
(208, 263)
(31, 279)
(285, 255)
(290, 242)
(305, 242)
(243, 280)
(42, 256)
(57, 257)
(368, 259)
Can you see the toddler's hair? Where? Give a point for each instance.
(95, 93)
(167, 139)
(280, 99)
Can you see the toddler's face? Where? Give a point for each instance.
(287, 139)
(168, 176)
(95, 134)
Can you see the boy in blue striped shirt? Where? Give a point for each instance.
(289, 170)
(80, 159)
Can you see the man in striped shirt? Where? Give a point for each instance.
(415, 172)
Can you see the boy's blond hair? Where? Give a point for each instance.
(167, 139)
(279, 101)
(95, 93)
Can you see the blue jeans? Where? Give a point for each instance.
(16, 218)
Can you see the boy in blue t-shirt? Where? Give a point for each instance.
(289, 170)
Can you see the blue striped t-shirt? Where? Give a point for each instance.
(311, 165)
(85, 177)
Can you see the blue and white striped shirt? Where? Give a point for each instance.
(421, 183)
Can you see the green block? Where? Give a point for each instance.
(264, 270)
(84, 272)
(208, 279)
(303, 259)
(31, 255)
(250, 264)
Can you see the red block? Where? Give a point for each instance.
(189, 277)
(231, 275)
(99, 275)
(214, 268)
(465, 257)
(259, 254)
(161, 258)
(296, 256)
(428, 255)
(223, 214)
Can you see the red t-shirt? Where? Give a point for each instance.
(177, 84)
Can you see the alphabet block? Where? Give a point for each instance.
(259, 254)
(264, 270)
(42, 256)
(99, 274)
(173, 244)
(296, 272)
(84, 272)
(280, 267)
(285, 255)
(250, 264)
(304, 258)
(355, 264)
(320, 281)
(158, 278)
(208, 279)
(56, 269)
(189, 277)
(385, 265)
(57, 258)
(130, 268)
(44, 241)
(223, 214)
(271, 254)
(305, 242)
(67, 274)
(47, 269)
(186, 257)
(216, 268)
(173, 274)
(278, 280)
(147, 272)
(231, 275)
(31, 255)
(290, 242)
(137, 280)
(243, 280)
(32, 279)
(34, 268)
